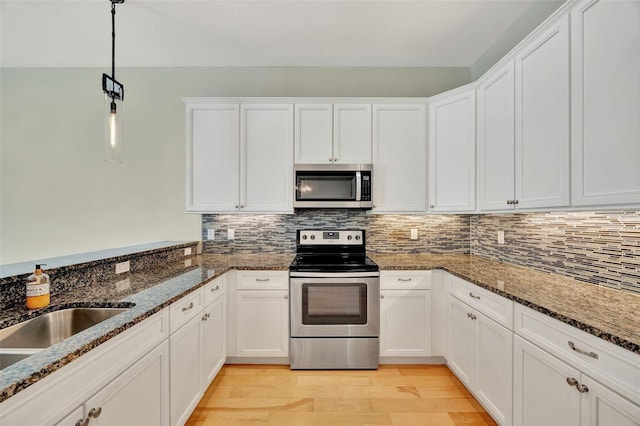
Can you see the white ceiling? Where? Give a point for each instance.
(423, 33)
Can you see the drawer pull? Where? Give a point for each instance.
(82, 422)
(215, 289)
(470, 315)
(95, 412)
(580, 351)
(404, 280)
(473, 296)
(262, 280)
(186, 308)
(582, 388)
(572, 381)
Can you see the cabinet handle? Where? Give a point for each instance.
(382, 296)
(186, 308)
(237, 205)
(582, 388)
(580, 351)
(95, 412)
(335, 159)
(262, 280)
(206, 316)
(470, 315)
(473, 296)
(286, 296)
(572, 381)
(431, 206)
(515, 201)
(404, 280)
(215, 289)
(330, 160)
(242, 206)
(82, 422)
(509, 202)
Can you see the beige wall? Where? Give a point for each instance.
(59, 197)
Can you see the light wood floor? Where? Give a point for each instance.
(392, 395)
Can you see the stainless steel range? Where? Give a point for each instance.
(335, 302)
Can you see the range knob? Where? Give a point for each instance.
(313, 237)
(357, 237)
(349, 238)
(304, 237)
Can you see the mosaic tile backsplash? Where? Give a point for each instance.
(596, 247)
(386, 234)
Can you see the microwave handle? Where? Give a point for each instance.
(358, 186)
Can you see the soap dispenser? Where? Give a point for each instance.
(38, 295)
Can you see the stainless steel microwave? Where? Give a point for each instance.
(333, 186)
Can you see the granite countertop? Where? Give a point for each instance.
(148, 292)
(604, 312)
(609, 314)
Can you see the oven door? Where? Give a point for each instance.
(335, 307)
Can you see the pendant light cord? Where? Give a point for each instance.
(113, 46)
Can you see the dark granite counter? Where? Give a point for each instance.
(612, 315)
(609, 314)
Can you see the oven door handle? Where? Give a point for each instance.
(334, 274)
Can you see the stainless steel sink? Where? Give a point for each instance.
(50, 328)
(8, 359)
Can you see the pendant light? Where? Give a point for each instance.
(113, 97)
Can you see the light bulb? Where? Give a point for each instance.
(113, 130)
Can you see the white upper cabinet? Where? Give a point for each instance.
(332, 133)
(213, 150)
(240, 157)
(314, 133)
(542, 119)
(266, 153)
(399, 157)
(495, 137)
(605, 122)
(452, 153)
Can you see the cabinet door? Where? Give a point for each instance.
(185, 370)
(605, 103)
(213, 158)
(405, 323)
(139, 396)
(352, 133)
(541, 392)
(496, 144)
(262, 323)
(601, 406)
(452, 154)
(266, 166)
(214, 341)
(314, 133)
(542, 119)
(399, 158)
(493, 374)
(461, 344)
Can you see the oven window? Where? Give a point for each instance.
(319, 186)
(334, 304)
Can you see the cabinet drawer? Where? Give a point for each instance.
(492, 305)
(612, 365)
(185, 309)
(405, 280)
(262, 280)
(214, 289)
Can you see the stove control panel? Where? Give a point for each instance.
(321, 237)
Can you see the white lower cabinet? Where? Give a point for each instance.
(405, 326)
(405, 314)
(548, 391)
(137, 397)
(261, 318)
(198, 346)
(480, 354)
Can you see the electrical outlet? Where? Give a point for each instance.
(500, 237)
(231, 234)
(187, 251)
(414, 234)
(123, 267)
(187, 263)
(211, 234)
(123, 285)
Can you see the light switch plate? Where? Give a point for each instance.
(500, 237)
(211, 234)
(414, 234)
(187, 251)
